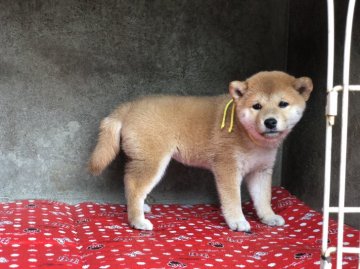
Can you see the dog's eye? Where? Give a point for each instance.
(283, 104)
(257, 106)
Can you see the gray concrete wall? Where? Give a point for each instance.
(303, 159)
(64, 65)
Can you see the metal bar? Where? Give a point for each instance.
(327, 172)
(351, 250)
(344, 129)
(346, 209)
(354, 87)
(339, 88)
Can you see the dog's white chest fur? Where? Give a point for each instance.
(256, 160)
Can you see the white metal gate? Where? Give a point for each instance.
(331, 112)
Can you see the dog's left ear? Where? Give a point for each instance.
(304, 86)
(237, 89)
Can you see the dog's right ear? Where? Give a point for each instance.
(237, 89)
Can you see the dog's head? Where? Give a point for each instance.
(269, 104)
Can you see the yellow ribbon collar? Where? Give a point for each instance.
(232, 115)
(232, 120)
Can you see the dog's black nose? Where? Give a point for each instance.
(270, 123)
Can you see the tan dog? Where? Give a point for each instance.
(152, 130)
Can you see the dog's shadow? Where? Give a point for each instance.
(180, 185)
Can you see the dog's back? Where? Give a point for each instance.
(175, 124)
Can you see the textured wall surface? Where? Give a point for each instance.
(64, 65)
(303, 158)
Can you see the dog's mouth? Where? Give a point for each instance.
(268, 138)
(271, 134)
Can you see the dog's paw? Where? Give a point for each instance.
(239, 225)
(273, 220)
(147, 208)
(143, 224)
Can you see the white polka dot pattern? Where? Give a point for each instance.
(45, 234)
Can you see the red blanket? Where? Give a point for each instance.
(46, 234)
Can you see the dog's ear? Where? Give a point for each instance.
(237, 89)
(304, 86)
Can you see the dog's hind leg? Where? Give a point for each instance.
(140, 178)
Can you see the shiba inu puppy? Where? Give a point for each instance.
(153, 130)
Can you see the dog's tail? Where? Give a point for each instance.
(108, 145)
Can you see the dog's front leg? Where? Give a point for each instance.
(228, 183)
(259, 185)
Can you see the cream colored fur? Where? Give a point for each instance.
(155, 129)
